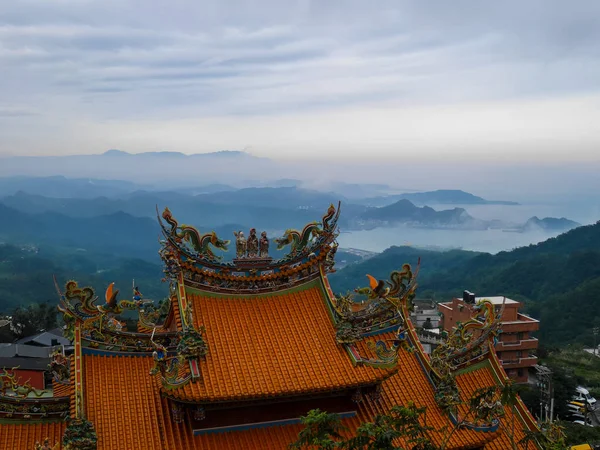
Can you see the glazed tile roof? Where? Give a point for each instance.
(24, 436)
(272, 345)
(260, 346)
(409, 384)
(487, 375)
(143, 415)
(124, 403)
(119, 390)
(62, 390)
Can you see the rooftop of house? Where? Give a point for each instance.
(23, 350)
(496, 300)
(48, 338)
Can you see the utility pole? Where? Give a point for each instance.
(544, 376)
(595, 330)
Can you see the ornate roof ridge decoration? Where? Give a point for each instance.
(11, 386)
(60, 367)
(21, 401)
(384, 308)
(189, 240)
(253, 270)
(469, 342)
(31, 408)
(99, 328)
(192, 347)
(80, 435)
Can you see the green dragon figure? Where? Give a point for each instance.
(298, 240)
(462, 344)
(9, 381)
(192, 344)
(330, 218)
(402, 285)
(346, 333)
(200, 243)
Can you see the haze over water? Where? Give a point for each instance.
(491, 241)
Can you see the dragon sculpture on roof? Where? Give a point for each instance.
(187, 234)
(467, 341)
(312, 235)
(10, 382)
(382, 308)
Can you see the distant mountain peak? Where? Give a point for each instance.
(168, 154)
(115, 152)
(450, 196)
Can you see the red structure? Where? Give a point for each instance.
(515, 344)
(35, 377)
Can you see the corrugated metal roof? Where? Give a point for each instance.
(46, 338)
(27, 351)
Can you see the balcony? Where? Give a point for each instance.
(520, 325)
(523, 344)
(519, 362)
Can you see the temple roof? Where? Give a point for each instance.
(242, 338)
(125, 405)
(144, 415)
(279, 344)
(24, 436)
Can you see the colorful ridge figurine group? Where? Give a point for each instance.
(252, 247)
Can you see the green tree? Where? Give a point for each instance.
(33, 319)
(550, 436)
(322, 430)
(408, 422)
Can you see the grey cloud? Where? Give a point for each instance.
(7, 112)
(120, 59)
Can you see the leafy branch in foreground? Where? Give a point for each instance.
(321, 430)
(324, 431)
(402, 421)
(407, 425)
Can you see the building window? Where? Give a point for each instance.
(520, 373)
(519, 354)
(499, 354)
(520, 336)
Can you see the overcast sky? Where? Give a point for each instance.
(422, 80)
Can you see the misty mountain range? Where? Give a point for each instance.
(441, 197)
(272, 209)
(211, 172)
(106, 230)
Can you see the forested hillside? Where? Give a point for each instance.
(26, 274)
(559, 279)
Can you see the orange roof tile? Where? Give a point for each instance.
(66, 389)
(469, 381)
(62, 390)
(124, 403)
(143, 414)
(410, 384)
(24, 436)
(270, 345)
